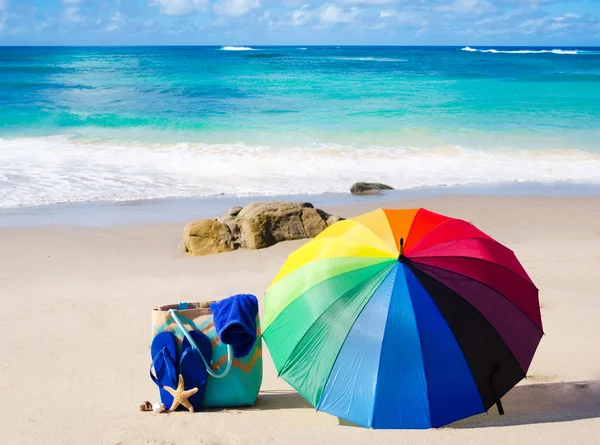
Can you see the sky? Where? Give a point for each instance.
(300, 22)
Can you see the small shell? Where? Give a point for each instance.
(158, 407)
(146, 406)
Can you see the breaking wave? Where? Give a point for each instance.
(58, 169)
(236, 48)
(523, 51)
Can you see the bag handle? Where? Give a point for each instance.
(195, 346)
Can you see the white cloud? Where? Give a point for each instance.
(72, 15)
(378, 26)
(235, 8)
(369, 2)
(269, 18)
(557, 26)
(332, 14)
(302, 16)
(405, 18)
(531, 26)
(117, 20)
(519, 21)
(179, 7)
(531, 2)
(412, 18)
(468, 7)
(568, 15)
(299, 17)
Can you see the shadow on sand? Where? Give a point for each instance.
(272, 400)
(541, 403)
(524, 404)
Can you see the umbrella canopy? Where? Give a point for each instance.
(402, 319)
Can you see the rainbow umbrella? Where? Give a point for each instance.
(402, 319)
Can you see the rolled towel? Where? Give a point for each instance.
(235, 322)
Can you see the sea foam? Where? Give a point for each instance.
(236, 48)
(522, 51)
(36, 171)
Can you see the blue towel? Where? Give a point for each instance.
(235, 322)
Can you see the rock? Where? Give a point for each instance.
(314, 221)
(257, 225)
(267, 223)
(333, 219)
(234, 211)
(361, 188)
(207, 236)
(234, 228)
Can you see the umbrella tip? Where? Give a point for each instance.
(401, 257)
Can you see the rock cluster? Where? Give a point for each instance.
(255, 226)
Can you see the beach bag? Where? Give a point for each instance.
(231, 381)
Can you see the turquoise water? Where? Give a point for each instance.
(88, 124)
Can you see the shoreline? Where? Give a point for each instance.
(178, 209)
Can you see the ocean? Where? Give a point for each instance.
(133, 123)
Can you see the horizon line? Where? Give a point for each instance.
(295, 45)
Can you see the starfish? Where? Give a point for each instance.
(180, 396)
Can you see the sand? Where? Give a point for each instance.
(75, 323)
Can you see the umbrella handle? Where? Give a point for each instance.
(495, 390)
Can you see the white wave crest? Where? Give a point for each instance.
(522, 51)
(564, 51)
(35, 171)
(237, 48)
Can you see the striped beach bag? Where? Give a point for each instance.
(231, 381)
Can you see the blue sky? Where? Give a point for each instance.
(270, 22)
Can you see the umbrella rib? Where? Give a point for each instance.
(314, 260)
(421, 346)
(375, 392)
(347, 242)
(416, 264)
(374, 234)
(383, 272)
(346, 338)
(484, 241)
(414, 249)
(325, 279)
(358, 288)
(424, 237)
(530, 283)
(480, 315)
(395, 248)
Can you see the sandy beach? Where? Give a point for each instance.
(76, 305)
